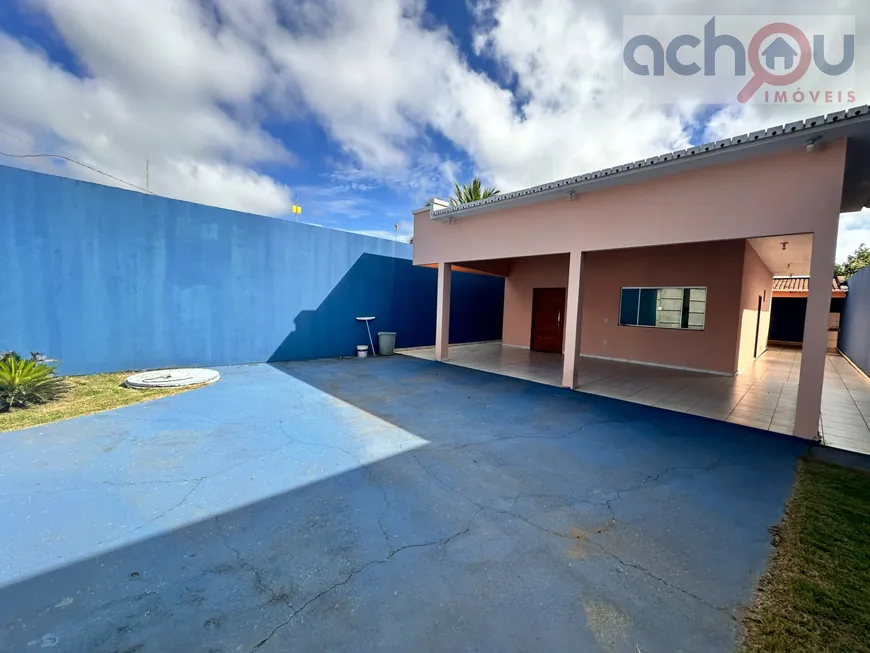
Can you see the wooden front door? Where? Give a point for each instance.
(548, 318)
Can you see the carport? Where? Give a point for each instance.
(668, 261)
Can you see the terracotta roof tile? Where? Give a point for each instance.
(792, 284)
(800, 284)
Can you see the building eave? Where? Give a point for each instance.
(812, 131)
(803, 294)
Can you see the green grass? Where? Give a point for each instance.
(815, 597)
(87, 394)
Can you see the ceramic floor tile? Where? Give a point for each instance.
(854, 437)
(713, 414)
(711, 409)
(845, 419)
(756, 423)
(596, 387)
(673, 407)
(759, 401)
(645, 402)
(682, 396)
(848, 445)
(853, 433)
(676, 402)
(649, 397)
(608, 393)
(751, 413)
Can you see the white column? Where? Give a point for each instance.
(442, 324)
(573, 317)
(812, 375)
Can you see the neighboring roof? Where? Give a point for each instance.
(800, 285)
(833, 126)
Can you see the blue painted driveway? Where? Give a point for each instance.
(385, 504)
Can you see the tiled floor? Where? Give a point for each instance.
(763, 396)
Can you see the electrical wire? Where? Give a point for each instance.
(84, 165)
(23, 140)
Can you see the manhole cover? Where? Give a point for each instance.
(172, 378)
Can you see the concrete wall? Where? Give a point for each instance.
(718, 266)
(855, 320)
(757, 282)
(476, 300)
(107, 279)
(525, 275)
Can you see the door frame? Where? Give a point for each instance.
(757, 326)
(561, 319)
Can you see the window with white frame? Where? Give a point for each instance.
(665, 308)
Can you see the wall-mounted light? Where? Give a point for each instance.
(811, 143)
(571, 195)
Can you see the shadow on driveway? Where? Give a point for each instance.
(386, 504)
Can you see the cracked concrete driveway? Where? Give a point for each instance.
(385, 504)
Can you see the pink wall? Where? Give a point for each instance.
(737, 200)
(732, 272)
(718, 266)
(757, 282)
(525, 275)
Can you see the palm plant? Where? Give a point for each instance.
(26, 381)
(472, 192)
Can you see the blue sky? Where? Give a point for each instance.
(358, 111)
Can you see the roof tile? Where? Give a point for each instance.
(799, 284)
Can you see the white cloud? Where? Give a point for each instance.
(403, 234)
(573, 116)
(157, 77)
(380, 83)
(185, 84)
(854, 231)
(333, 202)
(382, 233)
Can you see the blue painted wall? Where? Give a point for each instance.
(107, 279)
(855, 320)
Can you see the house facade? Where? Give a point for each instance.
(668, 261)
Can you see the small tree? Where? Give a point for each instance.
(471, 192)
(854, 262)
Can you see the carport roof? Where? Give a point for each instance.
(852, 124)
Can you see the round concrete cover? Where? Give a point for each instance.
(172, 378)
